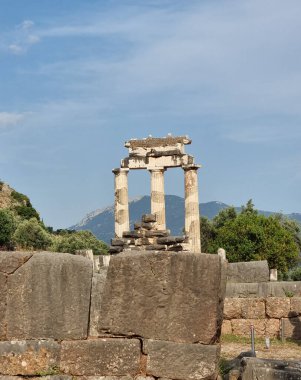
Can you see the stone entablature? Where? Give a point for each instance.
(157, 155)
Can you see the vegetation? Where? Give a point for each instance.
(249, 236)
(7, 228)
(21, 228)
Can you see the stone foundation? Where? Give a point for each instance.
(146, 316)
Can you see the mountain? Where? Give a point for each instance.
(101, 222)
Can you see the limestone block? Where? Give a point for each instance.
(28, 357)
(295, 306)
(11, 261)
(181, 360)
(252, 271)
(272, 328)
(233, 308)
(264, 289)
(168, 296)
(226, 327)
(242, 326)
(49, 297)
(103, 357)
(292, 327)
(3, 295)
(270, 369)
(98, 283)
(252, 308)
(278, 307)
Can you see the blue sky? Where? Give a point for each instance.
(78, 78)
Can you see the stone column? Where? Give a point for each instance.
(122, 222)
(158, 196)
(192, 213)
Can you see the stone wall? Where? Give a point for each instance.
(268, 306)
(146, 316)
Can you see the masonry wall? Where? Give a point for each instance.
(146, 316)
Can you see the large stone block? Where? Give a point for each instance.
(295, 306)
(252, 271)
(103, 357)
(242, 326)
(253, 308)
(49, 297)
(272, 328)
(278, 307)
(3, 295)
(168, 296)
(29, 357)
(233, 308)
(292, 327)
(98, 283)
(226, 327)
(11, 261)
(264, 289)
(181, 360)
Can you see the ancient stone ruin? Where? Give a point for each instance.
(156, 155)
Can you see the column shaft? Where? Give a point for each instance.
(122, 222)
(158, 197)
(192, 213)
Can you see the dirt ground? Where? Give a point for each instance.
(277, 350)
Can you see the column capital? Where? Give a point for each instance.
(191, 167)
(156, 169)
(120, 170)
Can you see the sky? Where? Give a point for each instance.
(78, 78)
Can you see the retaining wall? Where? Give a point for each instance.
(148, 316)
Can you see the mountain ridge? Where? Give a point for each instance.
(101, 221)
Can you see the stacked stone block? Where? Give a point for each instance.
(147, 316)
(148, 236)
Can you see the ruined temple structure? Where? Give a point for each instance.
(156, 155)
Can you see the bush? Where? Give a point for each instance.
(7, 228)
(295, 274)
(72, 241)
(31, 235)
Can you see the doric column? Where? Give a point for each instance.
(158, 196)
(122, 222)
(192, 212)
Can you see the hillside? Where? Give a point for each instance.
(18, 202)
(101, 222)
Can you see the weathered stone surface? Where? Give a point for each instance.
(28, 357)
(175, 248)
(269, 369)
(253, 308)
(233, 308)
(226, 327)
(167, 240)
(252, 271)
(164, 296)
(10, 261)
(117, 242)
(242, 326)
(131, 234)
(3, 295)
(295, 306)
(292, 327)
(49, 296)
(98, 283)
(264, 289)
(115, 250)
(180, 360)
(278, 307)
(272, 328)
(157, 233)
(101, 357)
(149, 218)
(155, 247)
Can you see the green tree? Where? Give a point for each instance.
(250, 236)
(72, 241)
(31, 235)
(7, 228)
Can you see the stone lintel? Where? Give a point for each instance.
(152, 142)
(157, 162)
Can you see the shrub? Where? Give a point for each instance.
(7, 228)
(31, 235)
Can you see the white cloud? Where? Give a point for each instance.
(8, 119)
(15, 49)
(26, 25)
